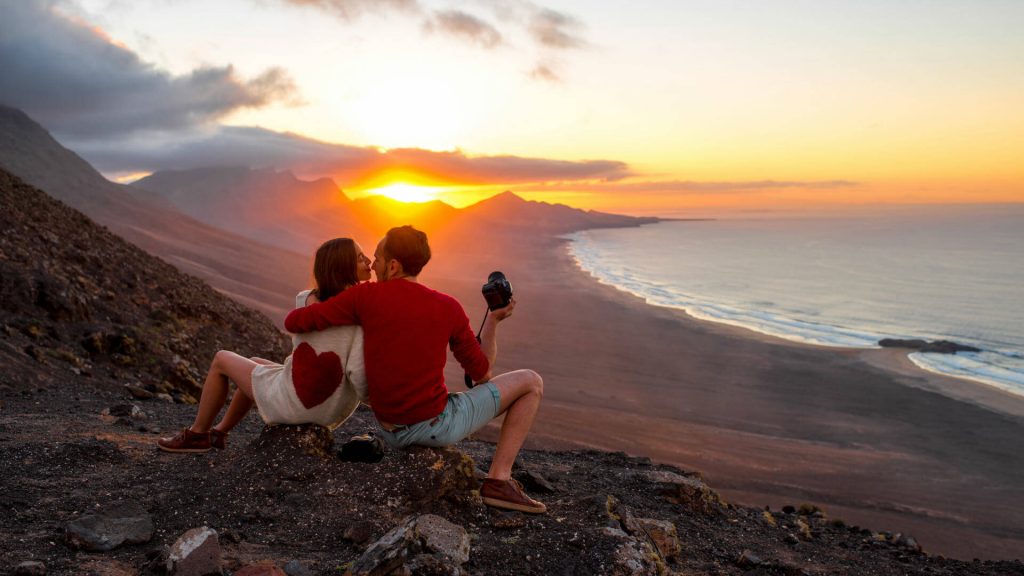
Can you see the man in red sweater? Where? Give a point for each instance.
(407, 329)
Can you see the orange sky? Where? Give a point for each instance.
(663, 106)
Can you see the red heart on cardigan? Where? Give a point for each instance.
(315, 376)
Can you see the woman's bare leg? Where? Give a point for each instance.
(239, 406)
(226, 365)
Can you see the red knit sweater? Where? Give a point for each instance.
(407, 328)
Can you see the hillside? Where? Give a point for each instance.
(261, 204)
(79, 301)
(85, 313)
(257, 274)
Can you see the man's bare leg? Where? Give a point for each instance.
(520, 393)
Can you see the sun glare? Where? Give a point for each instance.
(406, 192)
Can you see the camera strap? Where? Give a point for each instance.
(466, 378)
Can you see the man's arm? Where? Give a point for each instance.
(338, 311)
(489, 336)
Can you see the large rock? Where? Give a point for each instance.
(195, 553)
(429, 535)
(632, 556)
(110, 528)
(663, 535)
(689, 490)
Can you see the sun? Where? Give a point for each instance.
(406, 192)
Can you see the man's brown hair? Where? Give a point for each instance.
(409, 246)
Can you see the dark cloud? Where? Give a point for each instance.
(352, 9)
(463, 169)
(79, 83)
(465, 26)
(556, 30)
(257, 147)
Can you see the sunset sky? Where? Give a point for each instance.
(637, 107)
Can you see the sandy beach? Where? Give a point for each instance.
(865, 434)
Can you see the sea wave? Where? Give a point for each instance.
(1003, 369)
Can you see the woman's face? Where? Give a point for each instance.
(362, 264)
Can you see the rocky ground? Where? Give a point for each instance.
(282, 498)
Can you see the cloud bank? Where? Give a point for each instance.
(258, 147)
(78, 83)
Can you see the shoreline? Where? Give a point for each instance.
(767, 421)
(993, 395)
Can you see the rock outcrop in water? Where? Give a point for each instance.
(936, 346)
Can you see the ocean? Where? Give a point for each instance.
(929, 272)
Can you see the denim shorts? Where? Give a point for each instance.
(465, 413)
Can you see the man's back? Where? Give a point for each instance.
(407, 328)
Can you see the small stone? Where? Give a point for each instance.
(534, 482)
(748, 560)
(140, 393)
(260, 570)
(506, 520)
(116, 525)
(131, 411)
(358, 533)
(164, 397)
(791, 539)
(196, 553)
(295, 568)
(30, 568)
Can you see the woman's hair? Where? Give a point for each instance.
(334, 268)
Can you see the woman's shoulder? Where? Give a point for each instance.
(300, 298)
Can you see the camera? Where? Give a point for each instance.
(497, 291)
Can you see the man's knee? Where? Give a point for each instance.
(536, 383)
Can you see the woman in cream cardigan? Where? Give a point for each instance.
(321, 382)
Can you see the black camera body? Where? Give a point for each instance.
(497, 291)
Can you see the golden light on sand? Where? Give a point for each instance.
(406, 192)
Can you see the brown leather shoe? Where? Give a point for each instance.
(186, 441)
(508, 494)
(218, 439)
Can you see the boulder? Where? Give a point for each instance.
(195, 553)
(632, 557)
(110, 528)
(663, 535)
(427, 534)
